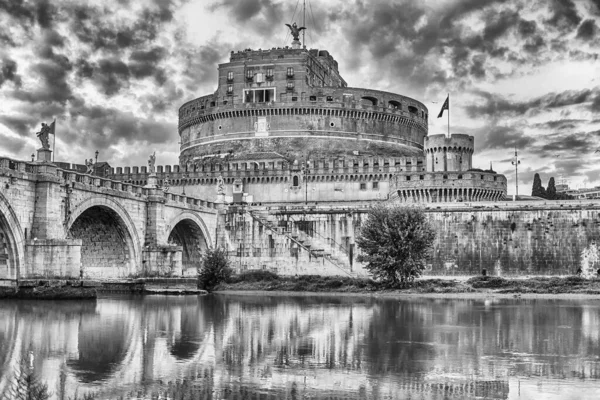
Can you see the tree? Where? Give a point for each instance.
(551, 191)
(538, 190)
(215, 268)
(395, 241)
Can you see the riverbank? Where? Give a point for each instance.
(74, 289)
(473, 287)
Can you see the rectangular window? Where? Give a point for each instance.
(375, 185)
(269, 73)
(230, 76)
(260, 77)
(290, 71)
(408, 177)
(363, 186)
(290, 85)
(249, 74)
(259, 95)
(230, 90)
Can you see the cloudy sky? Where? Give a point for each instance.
(113, 73)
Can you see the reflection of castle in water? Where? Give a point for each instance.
(349, 348)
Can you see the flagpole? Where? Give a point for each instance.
(448, 115)
(54, 141)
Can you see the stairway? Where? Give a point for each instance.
(315, 246)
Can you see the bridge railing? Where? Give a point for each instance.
(96, 181)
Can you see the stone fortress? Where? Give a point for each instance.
(280, 166)
(296, 158)
(283, 128)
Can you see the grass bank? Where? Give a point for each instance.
(268, 281)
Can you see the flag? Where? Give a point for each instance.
(446, 106)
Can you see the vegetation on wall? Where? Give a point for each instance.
(548, 193)
(395, 241)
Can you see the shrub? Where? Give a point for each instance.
(215, 268)
(395, 241)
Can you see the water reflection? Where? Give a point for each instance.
(238, 347)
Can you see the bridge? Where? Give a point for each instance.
(62, 223)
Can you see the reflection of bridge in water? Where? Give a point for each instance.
(299, 346)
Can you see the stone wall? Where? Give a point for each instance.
(523, 238)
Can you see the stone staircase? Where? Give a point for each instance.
(317, 247)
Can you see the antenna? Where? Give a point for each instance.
(303, 22)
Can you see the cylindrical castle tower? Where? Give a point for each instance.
(293, 103)
(454, 153)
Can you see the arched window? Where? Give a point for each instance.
(295, 181)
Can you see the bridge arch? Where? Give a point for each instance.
(12, 242)
(111, 244)
(189, 231)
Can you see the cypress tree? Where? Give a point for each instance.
(538, 189)
(551, 191)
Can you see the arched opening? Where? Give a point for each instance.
(8, 259)
(413, 110)
(107, 247)
(369, 100)
(295, 181)
(395, 105)
(187, 234)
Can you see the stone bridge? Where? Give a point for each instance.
(62, 223)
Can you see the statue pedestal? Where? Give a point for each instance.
(296, 44)
(44, 155)
(152, 181)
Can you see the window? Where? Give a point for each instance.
(290, 71)
(363, 186)
(408, 177)
(481, 176)
(329, 98)
(375, 185)
(312, 98)
(269, 73)
(295, 181)
(259, 95)
(421, 177)
(230, 76)
(260, 77)
(290, 86)
(229, 90)
(295, 98)
(459, 176)
(249, 74)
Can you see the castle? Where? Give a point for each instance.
(283, 127)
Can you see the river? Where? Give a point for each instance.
(297, 347)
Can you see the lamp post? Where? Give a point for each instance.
(305, 171)
(515, 161)
(96, 163)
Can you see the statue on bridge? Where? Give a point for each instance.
(220, 186)
(166, 185)
(89, 166)
(152, 163)
(44, 134)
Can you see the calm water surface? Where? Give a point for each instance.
(299, 347)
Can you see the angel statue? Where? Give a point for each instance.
(43, 134)
(220, 185)
(166, 185)
(89, 166)
(295, 31)
(152, 163)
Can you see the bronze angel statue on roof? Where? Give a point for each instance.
(295, 31)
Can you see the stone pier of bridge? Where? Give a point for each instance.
(57, 223)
